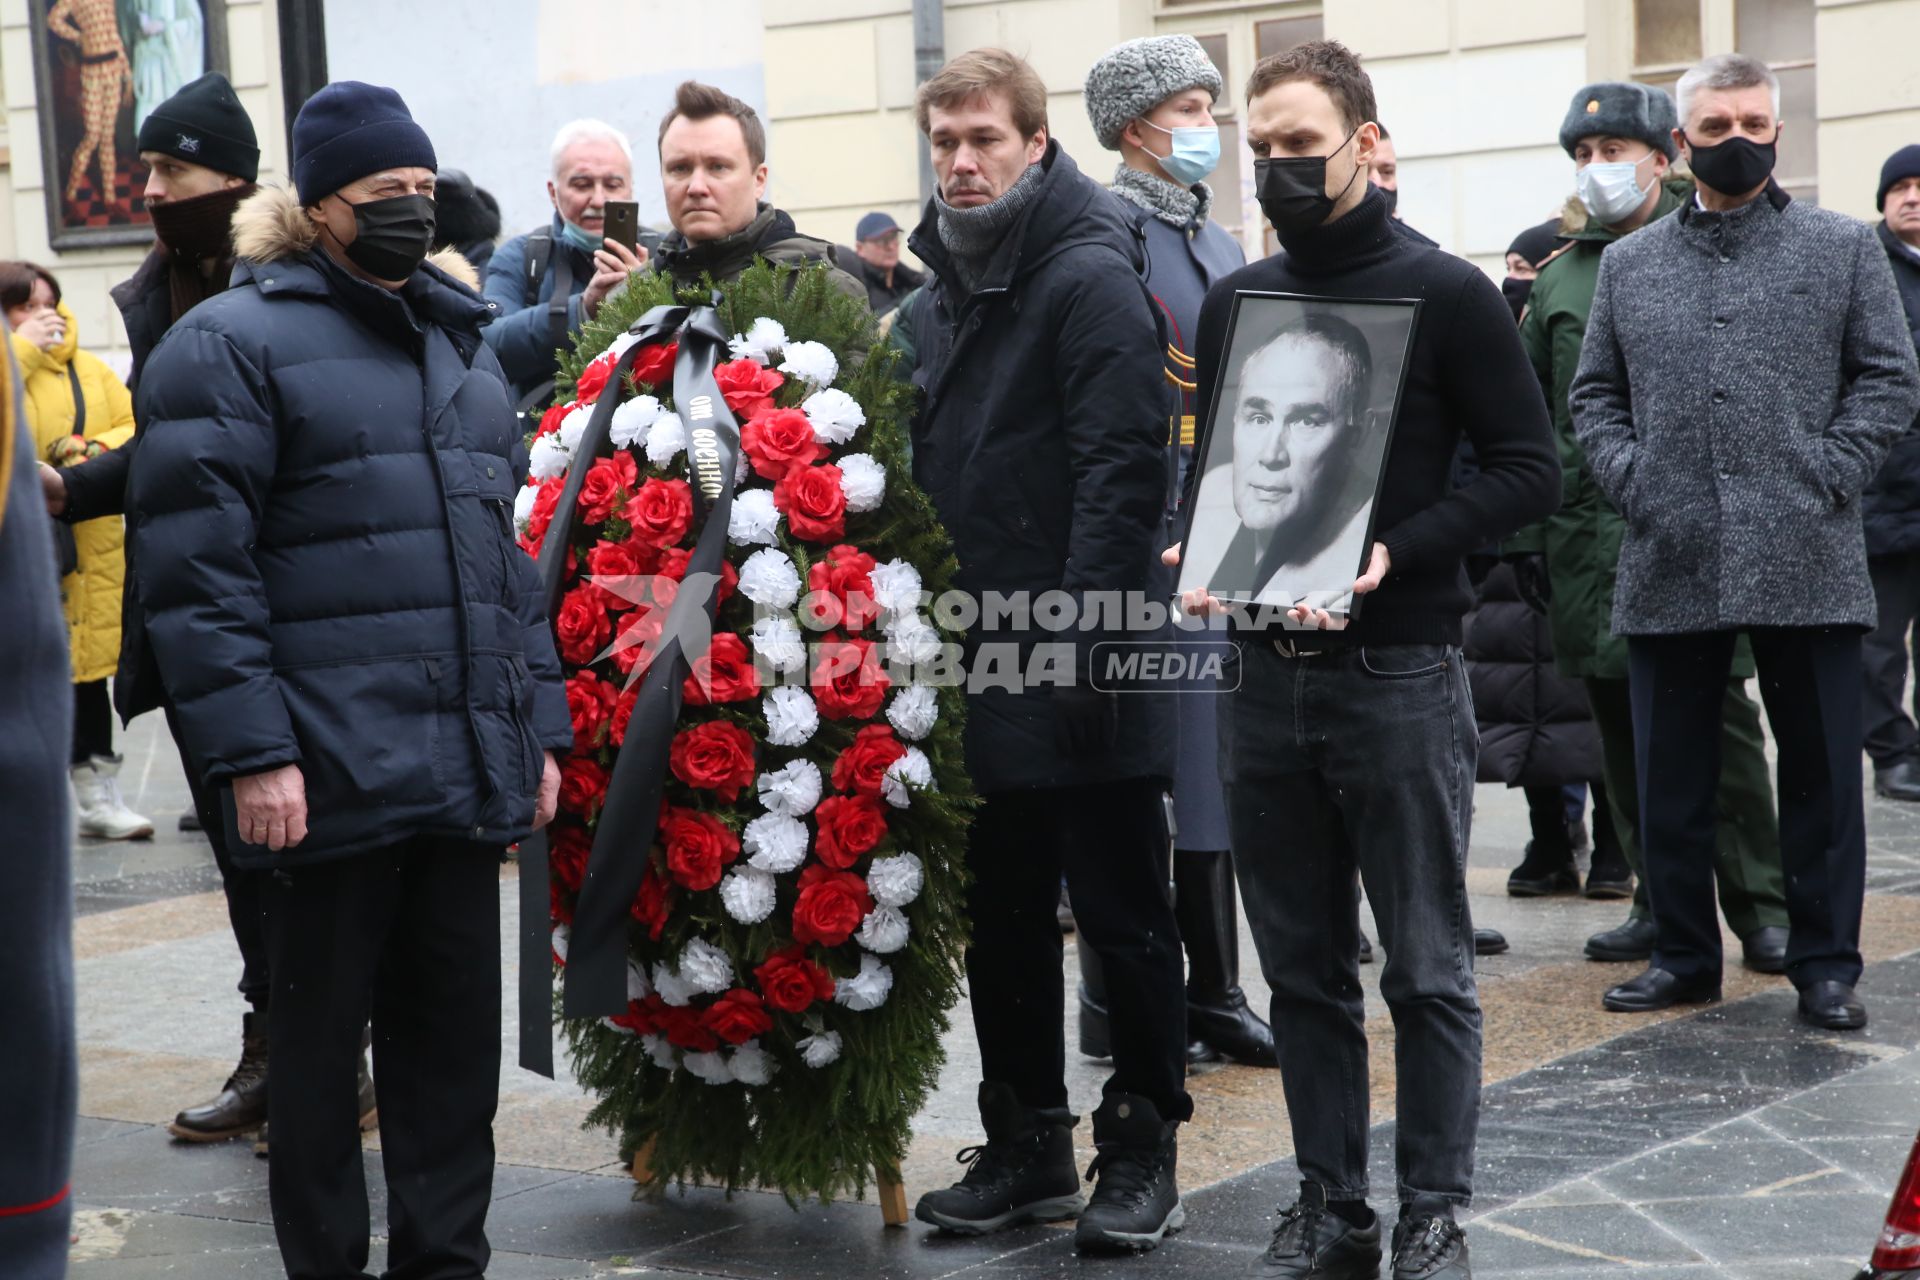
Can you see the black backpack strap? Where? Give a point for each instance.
(539, 253)
(558, 302)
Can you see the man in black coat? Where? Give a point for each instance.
(1891, 508)
(361, 664)
(1042, 441)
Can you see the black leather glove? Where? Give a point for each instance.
(1085, 721)
(1531, 580)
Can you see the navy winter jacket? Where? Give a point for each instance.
(321, 506)
(522, 334)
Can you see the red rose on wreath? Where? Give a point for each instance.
(642, 1016)
(621, 560)
(582, 625)
(747, 387)
(590, 702)
(593, 379)
(779, 440)
(844, 575)
(660, 511)
(699, 847)
(638, 642)
(654, 901)
(606, 478)
(861, 766)
(724, 673)
(811, 500)
(567, 849)
(685, 1027)
(848, 682)
(583, 785)
(550, 420)
(545, 503)
(790, 982)
(622, 712)
(716, 756)
(557, 909)
(849, 826)
(832, 904)
(654, 364)
(737, 1017)
(673, 564)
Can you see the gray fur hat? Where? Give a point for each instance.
(1621, 109)
(1135, 77)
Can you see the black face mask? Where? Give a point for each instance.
(1516, 291)
(1392, 196)
(392, 236)
(1733, 167)
(1293, 190)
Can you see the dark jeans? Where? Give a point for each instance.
(245, 890)
(410, 935)
(92, 721)
(1110, 840)
(1890, 733)
(1810, 682)
(1362, 762)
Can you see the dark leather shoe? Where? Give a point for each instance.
(1832, 1005)
(1428, 1244)
(1366, 949)
(190, 821)
(1658, 989)
(1898, 782)
(1632, 940)
(1228, 1025)
(1765, 950)
(1311, 1242)
(241, 1105)
(1489, 942)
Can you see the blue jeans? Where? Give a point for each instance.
(1362, 761)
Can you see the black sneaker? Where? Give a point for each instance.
(1135, 1201)
(1312, 1241)
(1428, 1244)
(1024, 1173)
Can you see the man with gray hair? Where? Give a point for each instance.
(1746, 367)
(545, 284)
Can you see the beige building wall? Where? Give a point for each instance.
(253, 53)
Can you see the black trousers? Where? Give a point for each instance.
(1809, 680)
(410, 935)
(1110, 841)
(245, 890)
(92, 720)
(1890, 733)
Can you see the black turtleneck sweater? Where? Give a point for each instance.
(1467, 375)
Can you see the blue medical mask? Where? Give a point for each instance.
(1195, 154)
(579, 237)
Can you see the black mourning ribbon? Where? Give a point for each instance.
(595, 977)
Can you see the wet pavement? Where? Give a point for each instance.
(1726, 1142)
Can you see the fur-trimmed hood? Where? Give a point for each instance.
(270, 226)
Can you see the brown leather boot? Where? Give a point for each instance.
(241, 1105)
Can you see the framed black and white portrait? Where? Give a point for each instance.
(1294, 447)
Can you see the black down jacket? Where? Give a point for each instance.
(1042, 440)
(322, 510)
(1890, 507)
(1535, 728)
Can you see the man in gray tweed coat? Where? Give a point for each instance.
(1746, 368)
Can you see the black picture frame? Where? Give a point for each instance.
(1221, 551)
(94, 216)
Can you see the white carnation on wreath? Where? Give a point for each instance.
(791, 716)
(661, 1050)
(792, 790)
(775, 843)
(619, 1029)
(747, 894)
(751, 1065)
(638, 988)
(548, 458)
(866, 990)
(896, 585)
(666, 437)
(632, 419)
(742, 469)
(863, 480)
(705, 967)
(896, 880)
(884, 930)
(769, 578)
(835, 415)
(912, 641)
(523, 506)
(562, 938)
(673, 989)
(711, 1067)
(911, 772)
(777, 639)
(752, 518)
(573, 427)
(762, 338)
(819, 1049)
(914, 710)
(618, 347)
(811, 362)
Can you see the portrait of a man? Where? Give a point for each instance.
(1293, 453)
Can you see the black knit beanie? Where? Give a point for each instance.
(204, 124)
(349, 130)
(1904, 163)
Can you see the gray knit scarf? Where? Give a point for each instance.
(972, 235)
(1182, 207)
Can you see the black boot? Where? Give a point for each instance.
(1428, 1244)
(1547, 869)
(1136, 1200)
(1218, 1015)
(1024, 1173)
(241, 1106)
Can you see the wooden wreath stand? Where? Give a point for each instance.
(893, 1192)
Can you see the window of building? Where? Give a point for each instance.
(1666, 32)
(1281, 34)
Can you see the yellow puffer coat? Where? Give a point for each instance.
(92, 592)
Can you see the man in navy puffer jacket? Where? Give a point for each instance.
(361, 664)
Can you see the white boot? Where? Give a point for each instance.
(96, 793)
